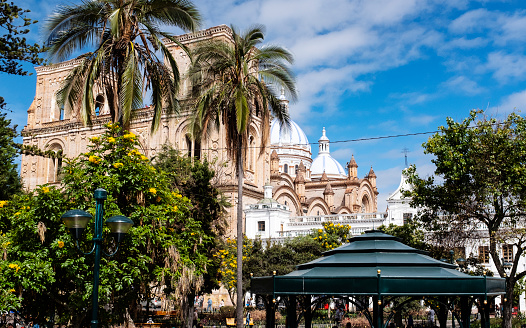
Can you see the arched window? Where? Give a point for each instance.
(296, 169)
(188, 145)
(55, 164)
(365, 204)
(99, 104)
(61, 114)
(251, 151)
(286, 168)
(197, 149)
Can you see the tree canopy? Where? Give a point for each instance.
(166, 249)
(127, 36)
(9, 179)
(14, 49)
(479, 183)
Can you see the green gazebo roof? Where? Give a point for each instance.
(377, 264)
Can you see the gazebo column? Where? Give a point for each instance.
(465, 311)
(307, 306)
(442, 311)
(378, 312)
(270, 310)
(292, 321)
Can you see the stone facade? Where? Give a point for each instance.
(60, 129)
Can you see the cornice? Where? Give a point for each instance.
(62, 66)
(201, 35)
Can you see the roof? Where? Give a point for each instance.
(378, 264)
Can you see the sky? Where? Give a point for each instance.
(369, 68)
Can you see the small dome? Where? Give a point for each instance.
(324, 166)
(287, 136)
(331, 167)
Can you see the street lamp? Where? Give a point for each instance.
(77, 220)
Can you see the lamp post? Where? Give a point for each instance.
(77, 220)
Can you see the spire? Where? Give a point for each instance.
(328, 190)
(405, 151)
(352, 163)
(274, 155)
(324, 176)
(371, 173)
(323, 143)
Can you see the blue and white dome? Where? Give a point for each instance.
(324, 162)
(291, 144)
(292, 135)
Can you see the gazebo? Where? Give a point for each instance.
(378, 266)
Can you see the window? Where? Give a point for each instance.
(99, 103)
(61, 115)
(188, 145)
(286, 168)
(484, 254)
(407, 217)
(296, 169)
(507, 253)
(55, 164)
(261, 226)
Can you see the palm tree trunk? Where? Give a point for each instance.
(239, 273)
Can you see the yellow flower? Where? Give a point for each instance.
(175, 208)
(17, 213)
(2, 203)
(12, 290)
(129, 136)
(94, 159)
(144, 158)
(14, 266)
(94, 139)
(60, 244)
(153, 191)
(45, 189)
(111, 139)
(118, 165)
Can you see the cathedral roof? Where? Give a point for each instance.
(325, 163)
(283, 135)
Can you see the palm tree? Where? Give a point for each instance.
(125, 63)
(231, 81)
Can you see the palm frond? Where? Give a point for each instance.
(131, 91)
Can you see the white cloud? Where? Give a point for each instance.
(473, 21)
(464, 85)
(513, 102)
(506, 66)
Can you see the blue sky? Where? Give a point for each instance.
(371, 68)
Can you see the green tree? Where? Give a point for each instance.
(228, 90)
(14, 48)
(9, 179)
(127, 38)
(193, 180)
(481, 164)
(163, 248)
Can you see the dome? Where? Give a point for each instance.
(324, 163)
(287, 136)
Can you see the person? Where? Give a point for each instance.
(222, 303)
(410, 321)
(431, 317)
(209, 307)
(338, 316)
(248, 319)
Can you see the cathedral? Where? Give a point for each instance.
(285, 173)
